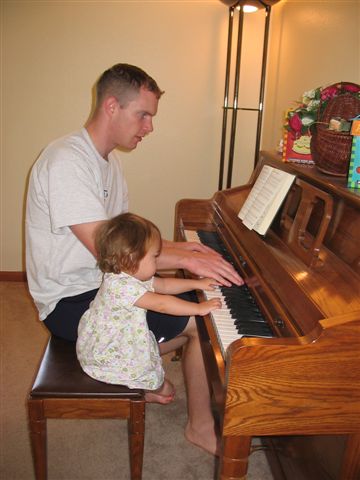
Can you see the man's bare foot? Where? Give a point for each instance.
(204, 438)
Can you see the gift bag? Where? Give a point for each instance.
(297, 148)
(354, 167)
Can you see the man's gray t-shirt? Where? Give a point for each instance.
(70, 184)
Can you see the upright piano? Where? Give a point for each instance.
(289, 372)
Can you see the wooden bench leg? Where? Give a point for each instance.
(136, 427)
(37, 423)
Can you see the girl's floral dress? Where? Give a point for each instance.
(114, 342)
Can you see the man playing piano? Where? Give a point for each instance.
(75, 185)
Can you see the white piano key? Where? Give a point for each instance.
(222, 321)
(191, 236)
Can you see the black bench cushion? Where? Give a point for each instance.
(60, 375)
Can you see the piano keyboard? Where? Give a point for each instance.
(240, 315)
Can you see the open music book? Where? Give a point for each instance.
(265, 198)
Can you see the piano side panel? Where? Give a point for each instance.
(343, 235)
(304, 386)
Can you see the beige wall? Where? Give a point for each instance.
(52, 52)
(313, 43)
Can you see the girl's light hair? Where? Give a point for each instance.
(123, 241)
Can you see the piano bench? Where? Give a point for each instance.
(62, 390)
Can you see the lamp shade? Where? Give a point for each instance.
(229, 3)
(254, 3)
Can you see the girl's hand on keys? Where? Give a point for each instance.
(209, 305)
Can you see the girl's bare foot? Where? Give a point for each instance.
(152, 397)
(204, 438)
(164, 394)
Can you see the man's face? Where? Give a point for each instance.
(133, 121)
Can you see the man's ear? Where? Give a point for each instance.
(110, 105)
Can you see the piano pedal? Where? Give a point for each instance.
(257, 448)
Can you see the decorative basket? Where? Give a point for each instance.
(330, 149)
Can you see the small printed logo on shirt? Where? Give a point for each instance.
(106, 193)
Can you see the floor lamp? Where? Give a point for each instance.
(242, 7)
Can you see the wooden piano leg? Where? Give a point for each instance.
(234, 458)
(351, 461)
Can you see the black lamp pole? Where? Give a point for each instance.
(235, 107)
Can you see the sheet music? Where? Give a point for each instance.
(258, 186)
(265, 198)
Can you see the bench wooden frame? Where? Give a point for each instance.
(62, 390)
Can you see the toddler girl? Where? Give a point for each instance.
(114, 342)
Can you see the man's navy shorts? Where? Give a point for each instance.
(63, 321)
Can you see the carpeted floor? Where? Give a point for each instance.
(88, 449)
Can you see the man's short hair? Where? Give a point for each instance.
(124, 81)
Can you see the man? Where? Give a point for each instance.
(76, 184)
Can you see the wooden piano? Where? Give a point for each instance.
(297, 389)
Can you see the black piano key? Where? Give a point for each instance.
(238, 308)
(252, 328)
(242, 304)
(250, 322)
(246, 314)
(254, 332)
(240, 300)
(242, 291)
(243, 309)
(212, 240)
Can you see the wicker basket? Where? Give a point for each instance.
(331, 150)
